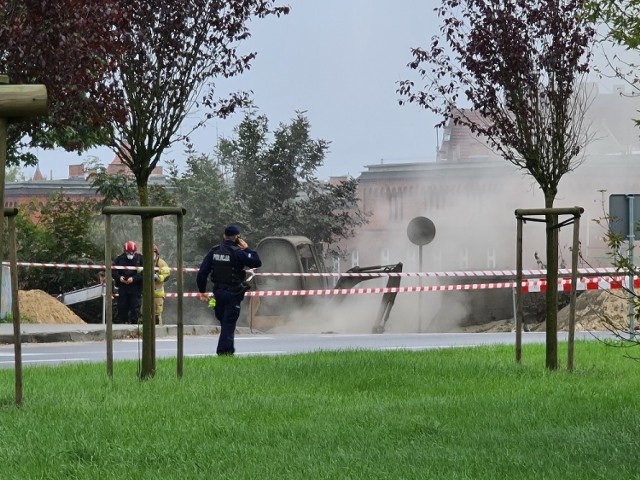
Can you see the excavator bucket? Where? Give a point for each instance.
(388, 298)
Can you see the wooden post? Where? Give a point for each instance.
(555, 213)
(574, 284)
(148, 339)
(519, 291)
(180, 333)
(108, 294)
(3, 162)
(11, 213)
(16, 101)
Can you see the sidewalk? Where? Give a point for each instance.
(89, 332)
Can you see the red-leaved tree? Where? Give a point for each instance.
(518, 66)
(69, 46)
(175, 53)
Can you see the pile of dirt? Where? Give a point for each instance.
(596, 311)
(600, 310)
(37, 306)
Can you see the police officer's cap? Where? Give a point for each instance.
(232, 230)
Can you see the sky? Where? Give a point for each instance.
(337, 60)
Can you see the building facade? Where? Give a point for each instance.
(471, 193)
(76, 187)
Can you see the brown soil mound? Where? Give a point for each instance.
(37, 306)
(597, 311)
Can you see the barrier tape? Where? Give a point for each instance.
(462, 273)
(528, 286)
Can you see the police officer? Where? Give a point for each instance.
(225, 263)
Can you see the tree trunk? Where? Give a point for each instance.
(552, 286)
(148, 368)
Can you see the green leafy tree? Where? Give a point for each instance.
(60, 232)
(120, 189)
(620, 25)
(275, 186)
(201, 189)
(14, 174)
(520, 66)
(621, 20)
(330, 212)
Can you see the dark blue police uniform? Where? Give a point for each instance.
(225, 264)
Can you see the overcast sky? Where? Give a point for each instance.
(338, 60)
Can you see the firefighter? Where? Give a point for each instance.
(225, 264)
(129, 283)
(161, 274)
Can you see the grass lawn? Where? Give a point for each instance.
(468, 413)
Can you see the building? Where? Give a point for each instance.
(76, 187)
(471, 194)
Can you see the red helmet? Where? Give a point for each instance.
(155, 249)
(130, 247)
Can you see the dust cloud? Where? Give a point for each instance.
(473, 212)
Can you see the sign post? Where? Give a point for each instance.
(420, 231)
(624, 215)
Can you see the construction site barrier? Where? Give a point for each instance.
(459, 274)
(605, 281)
(527, 287)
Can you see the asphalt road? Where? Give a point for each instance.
(68, 352)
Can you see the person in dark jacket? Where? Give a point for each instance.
(129, 283)
(225, 265)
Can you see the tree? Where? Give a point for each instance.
(120, 189)
(61, 231)
(275, 186)
(14, 174)
(621, 28)
(68, 45)
(621, 19)
(174, 54)
(201, 189)
(520, 66)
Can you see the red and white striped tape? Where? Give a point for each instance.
(605, 283)
(528, 286)
(459, 274)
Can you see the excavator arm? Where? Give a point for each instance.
(388, 298)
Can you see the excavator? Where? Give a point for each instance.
(297, 254)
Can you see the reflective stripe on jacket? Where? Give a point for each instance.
(163, 272)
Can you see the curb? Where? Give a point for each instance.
(118, 334)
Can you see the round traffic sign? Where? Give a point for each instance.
(421, 231)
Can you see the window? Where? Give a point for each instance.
(463, 258)
(491, 258)
(335, 268)
(436, 265)
(307, 259)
